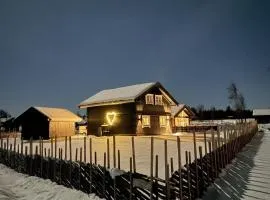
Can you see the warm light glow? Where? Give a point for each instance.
(110, 116)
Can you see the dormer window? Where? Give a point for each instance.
(158, 100)
(149, 99)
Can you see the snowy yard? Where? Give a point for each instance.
(16, 186)
(123, 143)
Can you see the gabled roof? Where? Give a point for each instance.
(122, 95)
(177, 109)
(56, 114)
(261, 112)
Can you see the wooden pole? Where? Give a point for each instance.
(51, 147)
(15, 143)
(84, 149)
(21, 145)
(119, 159)
(70, 148)
(95, 158)
(133, 154)
(114, 152)
(172, 170)
(80, 154)
(65, 147)
(130, 179)
(55, 147)
(104, 175)
(108, 153)
(90, 154)
(196, 164)
(156, 175)
(151, 166)
(76, 155)
(188, 176)
(179, 166)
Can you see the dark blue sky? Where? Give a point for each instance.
(57, 53)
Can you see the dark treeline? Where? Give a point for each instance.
(213, 113)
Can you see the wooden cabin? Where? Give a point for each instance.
(143, 109)
(47, 122)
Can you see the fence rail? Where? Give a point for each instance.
(188, 181)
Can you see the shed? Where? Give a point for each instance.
(47, 122)
(262, 116)
(181, 115)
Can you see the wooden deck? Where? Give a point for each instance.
(249, 175)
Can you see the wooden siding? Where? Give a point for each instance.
(61, 129)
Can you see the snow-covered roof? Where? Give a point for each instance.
(118, 95)
(261, 112)
(176, 109)
(58, 114)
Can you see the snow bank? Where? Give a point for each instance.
(17, 186)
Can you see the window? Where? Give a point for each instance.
(158, 100)
(145, 121)
(162, 121)
(149, 99)
(181, 121)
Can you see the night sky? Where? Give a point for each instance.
(58, 53)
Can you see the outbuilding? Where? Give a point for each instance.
(262, 116)
(47, 122)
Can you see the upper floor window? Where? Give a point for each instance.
(158, 100)
(162, 121)
(149, 99)
(145, 121)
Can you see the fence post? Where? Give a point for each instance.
(156, 174)
(70, 148)
(21, 146)
(65, 147)
(84, 149)
(90, 152)
(130, 179)
(51, 147)
(133, 154)
(179, 166)
(196, 163)
(151, 166)
(119, 161)
(76, 155)
(114, 152)
(188, 176)
(104, 176)
(108, 152)
(55, 147)
(15, 143)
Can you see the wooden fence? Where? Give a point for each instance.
(189, 181)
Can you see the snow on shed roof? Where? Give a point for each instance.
(261, 112)
(58, 114)
(176, 109)
(121, 94)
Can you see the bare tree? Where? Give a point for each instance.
(237, 100)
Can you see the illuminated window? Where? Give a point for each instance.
(145, 121)
(158, 100)
(149, 99)
(181, 121)
(162, 121)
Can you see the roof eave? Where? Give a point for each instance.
(105, 103)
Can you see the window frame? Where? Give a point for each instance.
(148, 125)
(162, 125)
(159, 100)
(149, 101)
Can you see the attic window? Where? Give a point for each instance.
(158, 100)
(149, 99)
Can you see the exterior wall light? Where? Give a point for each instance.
(111, 116)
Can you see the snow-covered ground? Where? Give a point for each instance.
(248, 177)
(124, 144)
(16, 186)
